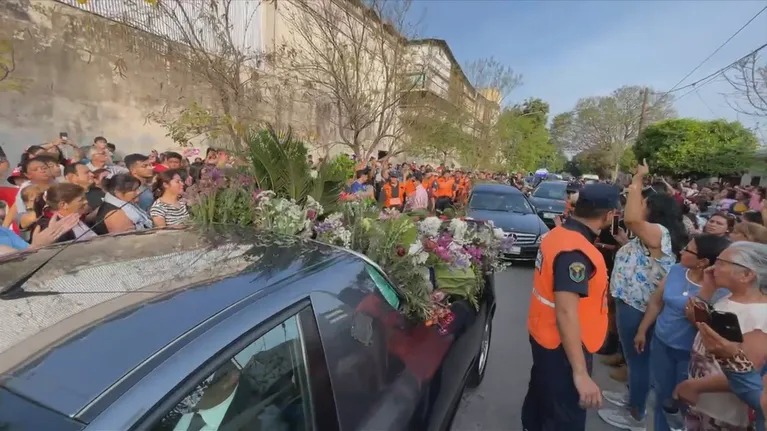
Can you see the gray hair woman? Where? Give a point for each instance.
(741, 269)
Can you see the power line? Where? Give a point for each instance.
(718, 49)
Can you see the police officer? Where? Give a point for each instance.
(567, 320)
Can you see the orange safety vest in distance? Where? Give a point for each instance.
(390, 201)
(445, 188)
(592, 310)
(410, 187)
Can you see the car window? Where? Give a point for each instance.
(555, 191)
(262, 387)
(500, 202)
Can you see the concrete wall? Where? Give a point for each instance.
(87, 76)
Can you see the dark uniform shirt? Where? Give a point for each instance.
(562, 280)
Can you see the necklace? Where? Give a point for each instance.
(689, 282)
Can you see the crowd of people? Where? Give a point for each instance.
(53, 198)
(678, 255)
(680, 249)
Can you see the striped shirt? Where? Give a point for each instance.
(172, 214)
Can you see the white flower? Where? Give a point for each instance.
(498, 233)
(459, 229)
(430, 226)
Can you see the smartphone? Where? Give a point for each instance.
(615, 225)
(63, 136)
(702, 313)
(726, 324)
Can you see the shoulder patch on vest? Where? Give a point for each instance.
(577, 272)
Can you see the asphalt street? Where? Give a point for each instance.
(497, 404)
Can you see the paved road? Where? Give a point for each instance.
(496, 405)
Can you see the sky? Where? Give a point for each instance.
(566, 50)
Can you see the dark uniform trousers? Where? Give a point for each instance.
(551, 403)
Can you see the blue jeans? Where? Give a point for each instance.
(627, 319)
(669, 368)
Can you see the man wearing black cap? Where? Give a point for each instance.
(567, 321)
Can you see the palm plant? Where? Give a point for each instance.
(279, 163)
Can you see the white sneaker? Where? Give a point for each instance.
(621, 418)
(620, 399)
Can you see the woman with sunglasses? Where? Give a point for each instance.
(741, 269)
(673, 335)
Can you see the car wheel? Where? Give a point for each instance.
(480, 363)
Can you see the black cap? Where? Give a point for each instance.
(573, 186)
(599, 196)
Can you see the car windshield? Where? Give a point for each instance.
(554, 191)
(500, 202)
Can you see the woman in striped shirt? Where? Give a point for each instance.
(168, 209)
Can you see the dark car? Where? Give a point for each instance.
(549, 200)
(227, 329)
(508, 209)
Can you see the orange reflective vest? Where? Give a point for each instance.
(592, 310)
(445, 188)
(390, 200)
(410, 187)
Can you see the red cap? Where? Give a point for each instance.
(16, 173)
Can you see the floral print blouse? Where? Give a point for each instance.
(636, 274)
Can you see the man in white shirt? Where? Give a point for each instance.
(102, 159)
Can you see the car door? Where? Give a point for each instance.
(387, 373)
(273, 378)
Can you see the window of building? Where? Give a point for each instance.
(262, 387)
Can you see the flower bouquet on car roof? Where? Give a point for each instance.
(458, 253)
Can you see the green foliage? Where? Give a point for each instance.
(438, 137)
(609, 124)
(525, 144)
(191, 122)
(280, 163)
(598, 161)
(342, 166)
(695, 148)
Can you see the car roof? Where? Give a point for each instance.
(495, 188)
(108, 305)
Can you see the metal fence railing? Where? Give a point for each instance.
(184, 20)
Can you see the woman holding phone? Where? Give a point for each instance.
(673, 336)
(741, 269)
(745, 381)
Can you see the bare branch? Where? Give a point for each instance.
(748, 79)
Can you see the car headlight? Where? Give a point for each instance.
(540, 237)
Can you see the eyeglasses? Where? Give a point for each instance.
(694, 253)
(719, 259)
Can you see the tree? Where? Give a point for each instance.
(524, 140)
(491, 74)
(694, 148)
(597, 161)
(352, 58)
(610, 123)
(218, 51)
(749, 80)
(437, 136)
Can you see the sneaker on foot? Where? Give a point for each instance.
(620, 417)
(620, 399)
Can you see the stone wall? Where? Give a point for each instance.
(89, 76)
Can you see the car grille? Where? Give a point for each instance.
(523, 238)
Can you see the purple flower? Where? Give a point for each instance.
(474, 252)
(443, 253)
(444, 240)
